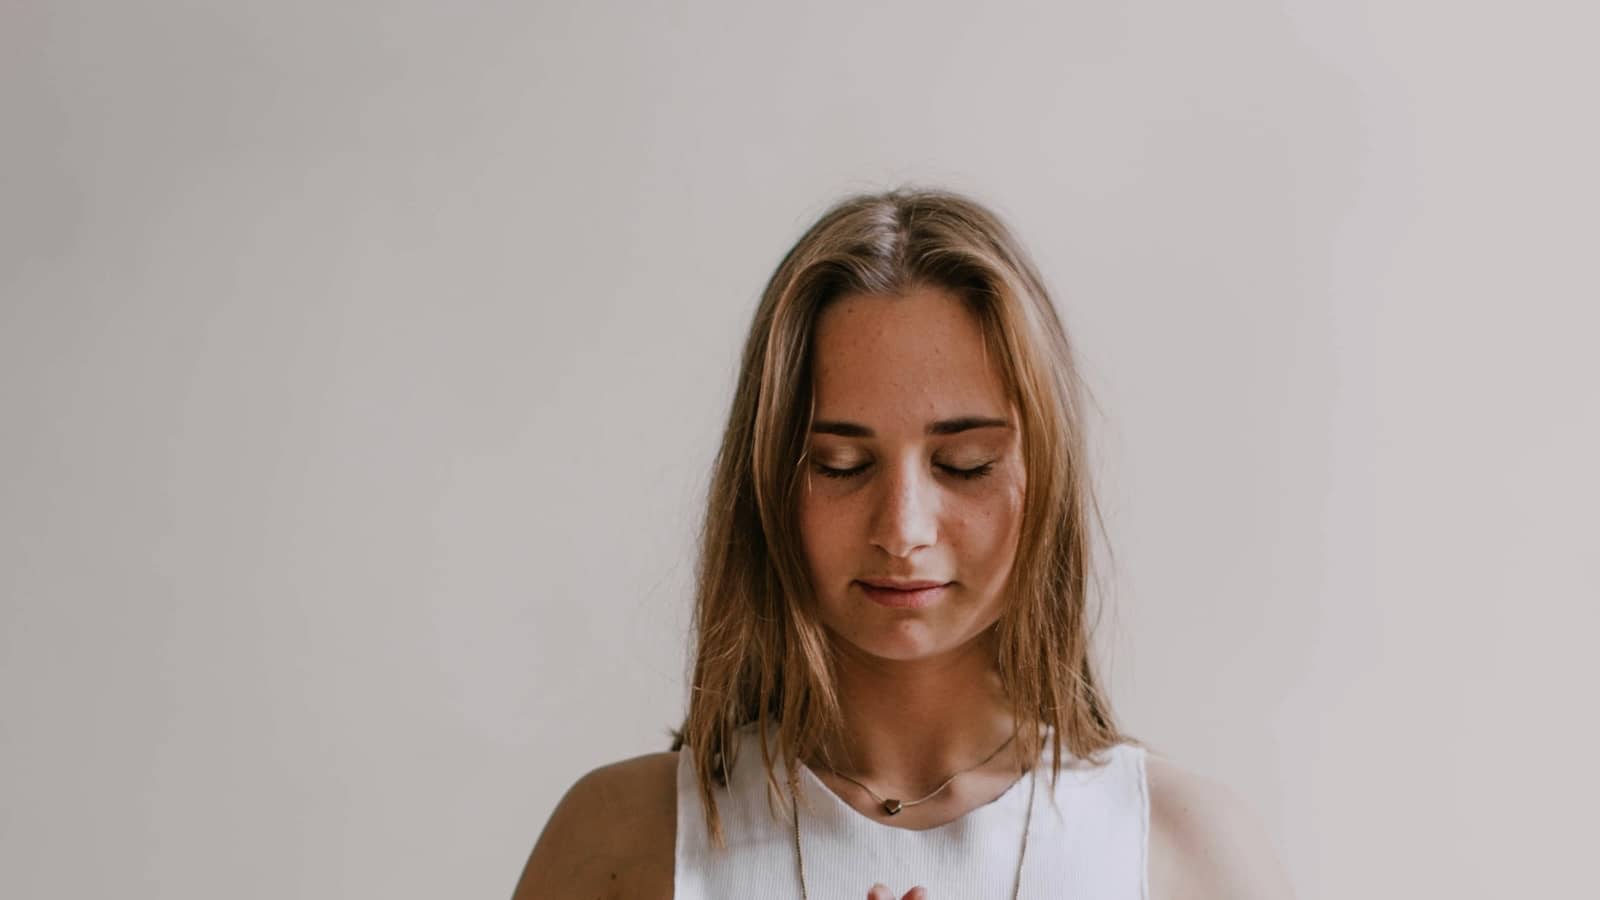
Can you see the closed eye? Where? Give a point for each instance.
(968, 474)
(975, 472)
(841, 473)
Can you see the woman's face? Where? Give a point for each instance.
(915, 475)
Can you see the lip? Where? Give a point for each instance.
(903, 594)
(901, 584)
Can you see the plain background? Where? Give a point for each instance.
(362, 364)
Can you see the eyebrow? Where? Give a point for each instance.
(943, 426)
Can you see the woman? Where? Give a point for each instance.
(892, 615)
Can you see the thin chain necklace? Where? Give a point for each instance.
(891, 807)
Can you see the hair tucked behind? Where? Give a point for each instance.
(761, 656)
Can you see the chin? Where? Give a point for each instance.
(903, 643)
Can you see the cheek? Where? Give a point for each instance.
(988, 532)
(821, 532)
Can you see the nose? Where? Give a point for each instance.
(905, 513)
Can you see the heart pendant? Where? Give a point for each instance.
(891, 806)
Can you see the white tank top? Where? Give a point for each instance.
(1090, 839)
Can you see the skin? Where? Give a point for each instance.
(920, 691)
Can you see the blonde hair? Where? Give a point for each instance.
(761, 656)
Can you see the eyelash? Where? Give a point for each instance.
(966, 474)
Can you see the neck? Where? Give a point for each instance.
(911, 724)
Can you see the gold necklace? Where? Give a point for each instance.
(1027, 822)
(892, 806)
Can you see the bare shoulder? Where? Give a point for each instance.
(1205, 841)
(611, 836)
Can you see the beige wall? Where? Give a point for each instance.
(361, 365)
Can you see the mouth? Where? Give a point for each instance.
(904, 594)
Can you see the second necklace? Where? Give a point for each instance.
(891, 807)
(1016, 882)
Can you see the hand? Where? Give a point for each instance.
(882, 892)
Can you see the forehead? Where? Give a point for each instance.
(881, 359)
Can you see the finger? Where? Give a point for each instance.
(880, 891)
(916, 893)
